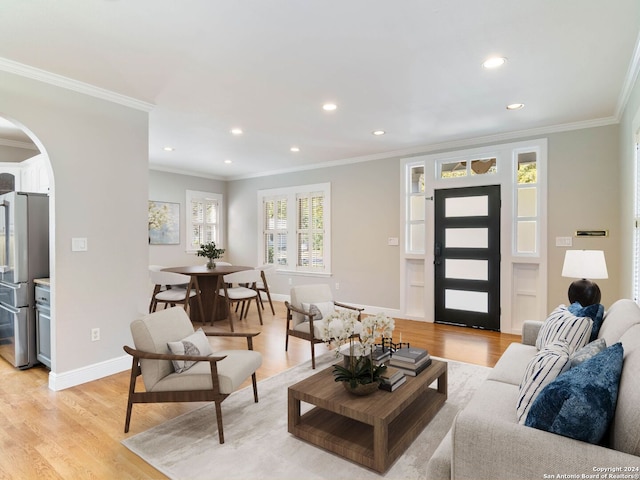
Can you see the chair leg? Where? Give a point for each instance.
(219, 419)
(230, 314)
(260, 298)
(313, 355)
(135, 369)
(286, 341)
(254, 382)
(273, 311)
(259, 309)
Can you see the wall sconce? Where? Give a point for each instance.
(584, 264)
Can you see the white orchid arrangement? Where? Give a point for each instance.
(339, 328)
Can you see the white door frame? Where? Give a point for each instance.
(524, 276)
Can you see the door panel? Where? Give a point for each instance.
(467, 256)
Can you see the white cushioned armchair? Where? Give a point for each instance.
(205, 375)
(306, 313)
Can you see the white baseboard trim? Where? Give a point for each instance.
(60, 381)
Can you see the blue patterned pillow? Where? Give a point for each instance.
(581, 402)
(561, 324)
(595, 312)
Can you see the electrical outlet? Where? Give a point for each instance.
(95, 334)
(337, 286)
(290, 281)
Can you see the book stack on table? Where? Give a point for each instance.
(411, 360)
(380, 355)
(391, 379)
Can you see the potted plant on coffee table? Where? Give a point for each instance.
(359, 373)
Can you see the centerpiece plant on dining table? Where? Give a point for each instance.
(359, 368)
(210, 251)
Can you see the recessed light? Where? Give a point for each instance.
(236, 131)
(378, 132)
(515, 106)
(329, 107)
(168, 149)
(295, 149)
(494, 62)
(227, 161)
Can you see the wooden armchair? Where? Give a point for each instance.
(204, 376)
(306, 313)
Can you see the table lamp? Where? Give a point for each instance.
(584, 264)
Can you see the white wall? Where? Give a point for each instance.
(99, 156)
(365, 204)
(583, 174)
(171, 187)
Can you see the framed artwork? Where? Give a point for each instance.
(164, 223)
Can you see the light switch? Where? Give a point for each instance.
(79, 245)
(393, 241)
(563, 242)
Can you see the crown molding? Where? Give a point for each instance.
(434, 147)
(23, 70)
(190, 173)
(13, 143)
(630, 80)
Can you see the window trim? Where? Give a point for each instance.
(291, 194)
(195, 195)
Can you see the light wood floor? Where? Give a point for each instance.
(76, 433)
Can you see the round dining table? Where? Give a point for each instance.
(207, 282)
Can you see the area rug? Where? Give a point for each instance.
(258, 445)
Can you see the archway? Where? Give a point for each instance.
(27, 333)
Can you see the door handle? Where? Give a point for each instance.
(437, 253)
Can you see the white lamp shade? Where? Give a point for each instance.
(584, 264)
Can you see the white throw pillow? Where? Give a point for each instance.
(194, 344)
(321, 309)
(564, 325)
(542, 369)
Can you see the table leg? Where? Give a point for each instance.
(380, 445)
(215, 300)
(443, 383)
(194, 279)
(293, 412)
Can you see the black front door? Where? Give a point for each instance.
(467, 256)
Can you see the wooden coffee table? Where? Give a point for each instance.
(373, 430)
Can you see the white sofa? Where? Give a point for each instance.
(486, 441)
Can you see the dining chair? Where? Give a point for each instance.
(154, 268)
(178, 364)
(263, 286)
(169, 289)
(243, 291)
(307, 312)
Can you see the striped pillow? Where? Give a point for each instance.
(564, 325)
(542, 369)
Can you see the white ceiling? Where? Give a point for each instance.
(409, 67)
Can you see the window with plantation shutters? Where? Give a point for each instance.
(203, 211)
(274, 242)
(295, 228)
(310, 230)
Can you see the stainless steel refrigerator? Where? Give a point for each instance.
(24, 256)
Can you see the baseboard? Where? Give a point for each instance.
(60, 381)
